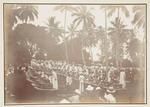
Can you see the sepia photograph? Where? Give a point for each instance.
(75, 53)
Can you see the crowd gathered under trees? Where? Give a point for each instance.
(64, 49)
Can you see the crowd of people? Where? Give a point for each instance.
(97, 75)
(43, 74)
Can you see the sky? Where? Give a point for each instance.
(46, 11)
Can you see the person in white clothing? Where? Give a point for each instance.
(110, 98)
(54, 80)
(81, 84)
(122, 79)
(110, 72)
(68, 80)
(109, 95)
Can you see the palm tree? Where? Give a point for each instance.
(113, 8)
(139, 17)
(10, 15)
(105, 8)
(53, 29)
(118, 35)
(140, 21)
(14, 12)
(84, 18)
(109, 10)
(27, 13)
(10, 19)
(65, 9)
(90, 40)
(134, 49)
(72, 30)
(71, 34)
(102, 36)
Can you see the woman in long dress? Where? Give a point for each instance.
(122, 80)
(68, 80)
(54, 80)
(81, 83)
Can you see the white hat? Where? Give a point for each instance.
(64, 101)
(111, 89)
(77, 91)
(98, 88)
(89, 88)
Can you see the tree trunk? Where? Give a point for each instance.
(65, 42)
(82, 53)
(118, 12)
(72, 50)
(91, 54)
(83, 34)
(117, 53)
(106, 54)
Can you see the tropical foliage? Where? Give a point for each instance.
(81, 35)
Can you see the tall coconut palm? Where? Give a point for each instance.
(27, 13)
(10, 15)
(72, 31)
(10, 19)
(102, 36)
(139, 21)
(109, 10)
(118, 35)
(65, 9)
(116, 8)
(53, 29)
(139, 17)
(105, 8)
(90, 40)
(85, 19)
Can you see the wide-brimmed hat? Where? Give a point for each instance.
(77, 91)
(111, 64)
(98, 88)
(89, 88)
(111, 89)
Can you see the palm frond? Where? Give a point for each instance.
(110, 12)
(125, 10)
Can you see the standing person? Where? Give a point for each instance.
(110, 98)
(110, 73)
(68, 80)
(81, 84)
(122, 79)
(54, 80)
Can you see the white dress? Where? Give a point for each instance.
(81, 87)
(122, 79)
(54, 80)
